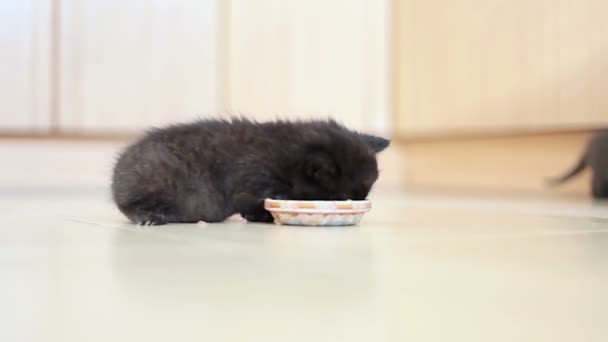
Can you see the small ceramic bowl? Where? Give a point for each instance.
(317, 213)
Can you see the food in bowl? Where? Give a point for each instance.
(317, 213)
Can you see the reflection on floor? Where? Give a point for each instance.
(417, 268)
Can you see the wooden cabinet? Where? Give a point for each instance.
(115, 66)
(494, 66)
(131, 64)
(25, 69)
(293, 58)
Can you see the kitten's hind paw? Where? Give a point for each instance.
(150, 220)
(149, 223)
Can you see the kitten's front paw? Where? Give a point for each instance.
(264, 217)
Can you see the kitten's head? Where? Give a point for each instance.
(336, 164)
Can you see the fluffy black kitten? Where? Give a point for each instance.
(211, 169)
(596, 158)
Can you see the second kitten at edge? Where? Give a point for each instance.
(209, 170)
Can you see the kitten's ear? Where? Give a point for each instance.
(377, 144)
(320, 168)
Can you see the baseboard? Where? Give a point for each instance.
(506, 164)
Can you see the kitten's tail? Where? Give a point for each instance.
(576, 169)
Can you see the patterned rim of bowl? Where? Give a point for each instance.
(318, 207)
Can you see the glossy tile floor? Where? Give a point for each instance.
(417, 268)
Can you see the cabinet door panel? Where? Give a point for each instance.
(132, 64)
(302, 59)
(25, 41)
(492, 65)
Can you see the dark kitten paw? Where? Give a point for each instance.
(264, 217)
(251, 208)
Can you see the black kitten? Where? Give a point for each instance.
(211, 169)
(595, 157)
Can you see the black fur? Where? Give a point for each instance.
(596, 158)
(211, 169)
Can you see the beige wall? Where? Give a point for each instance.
(486, 66)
